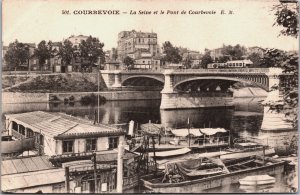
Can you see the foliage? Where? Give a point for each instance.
(92, 99)
(128, 61)
(17, 54)
(235, 52)
(222, 59)
(172, 54)
(206, 59)
(66, 52)
(187, 62)
(273, 57)
(256, 59)
(287, 17)
(91, 50)
(44, 52)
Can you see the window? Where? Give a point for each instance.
(91, 145)
(68, 146)
(29, 133)
(113, 142)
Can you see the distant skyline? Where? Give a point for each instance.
(251, 24)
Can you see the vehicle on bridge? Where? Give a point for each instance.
(231, 64)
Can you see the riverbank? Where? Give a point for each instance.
(16, 97)
(20, 97)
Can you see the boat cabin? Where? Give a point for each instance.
(59, 133)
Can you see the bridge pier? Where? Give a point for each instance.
(274, 120)
(112, 79)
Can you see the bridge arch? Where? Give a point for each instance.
(241, 80)
(161, 80)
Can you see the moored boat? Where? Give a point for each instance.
(232, 172)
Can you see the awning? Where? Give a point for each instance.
(212, 131)
(185, 132)
(171, 152)
(151, 128)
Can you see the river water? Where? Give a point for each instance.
(244, 119)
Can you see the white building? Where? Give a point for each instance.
(58, 133)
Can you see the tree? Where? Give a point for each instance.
(235, 52)
(128, 61)
(256, 59)
(16, 55)
(287, 17)
(223, 59)
(91, 50)
(66, 52)
(273, 57)
(187, 62)
(172, 53)
(44, 52)
(206, 59)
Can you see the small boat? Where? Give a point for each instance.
(257, 180)
(247, 148)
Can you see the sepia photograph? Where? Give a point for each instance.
(149, 96)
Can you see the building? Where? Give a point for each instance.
(31, 175)
(216, 53)
(148, 62)
(58, 133)
(194, 57)
(76, 40)
(134, 44)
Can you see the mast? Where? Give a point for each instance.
(98, 71)
(189, 141)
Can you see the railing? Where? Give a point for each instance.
(225, 70)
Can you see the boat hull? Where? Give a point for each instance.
(235, 155)
(200, 185)
(261, 182)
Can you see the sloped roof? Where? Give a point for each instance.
(30, 179)
(22, 165)
(60, 125)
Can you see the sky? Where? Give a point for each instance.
(250, 24)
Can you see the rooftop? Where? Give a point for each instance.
(29, 179)
(22, 165)
(60, 125)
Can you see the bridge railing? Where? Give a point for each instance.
(225, 70)
(229, 70)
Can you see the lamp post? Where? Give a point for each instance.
(98, 74)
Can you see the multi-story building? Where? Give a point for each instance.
(216, 53)
(194, 57)
(134, 44)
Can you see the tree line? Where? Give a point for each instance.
(89, 51)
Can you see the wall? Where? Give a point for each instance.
(16, 97)
(174, 101)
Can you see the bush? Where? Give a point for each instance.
(92, 99)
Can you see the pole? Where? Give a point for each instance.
(120, 168)
(98, 71)
(189, 139)
(154, 156)
(95, 172)
(67, 182)
(264, 153)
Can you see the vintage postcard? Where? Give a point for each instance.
(131, 96)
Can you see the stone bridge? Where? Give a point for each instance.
(194, 88)
(264, 78)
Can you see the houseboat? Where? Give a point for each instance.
(62, 134)
(197, 139)
(183, 177)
